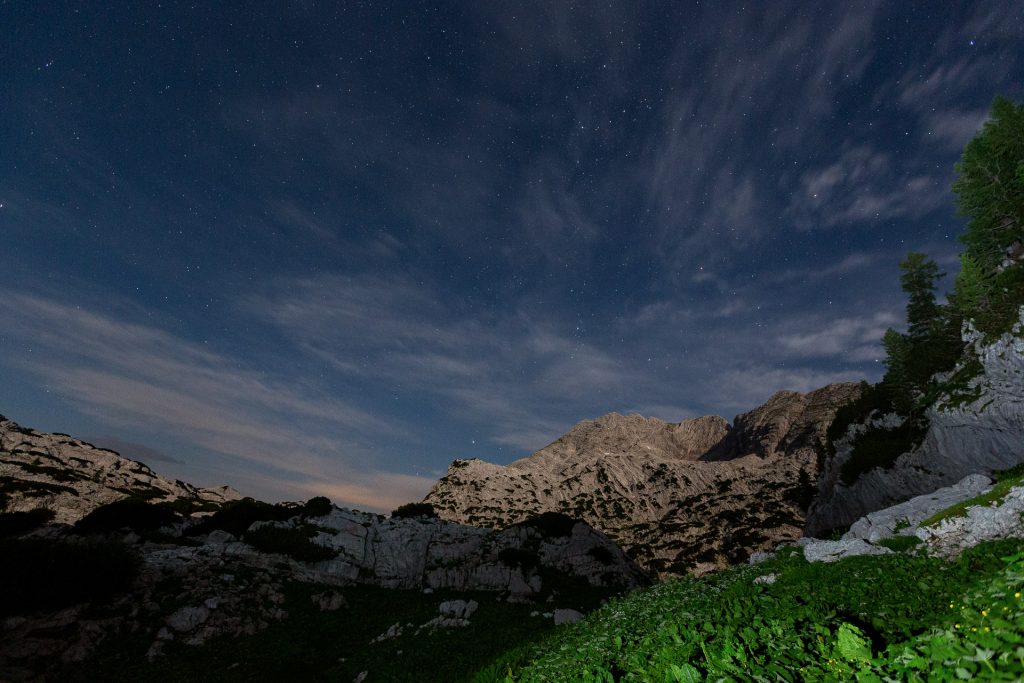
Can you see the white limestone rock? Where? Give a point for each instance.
(883, 523)
(1002, 519)
(833, 551)
(979, 437)
(566, 616)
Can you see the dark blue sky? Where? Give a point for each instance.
(309, 250)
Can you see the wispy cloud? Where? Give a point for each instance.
(135, 374)
(855, 339)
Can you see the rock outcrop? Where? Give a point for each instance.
(72, 477)
(976, 436)
(685, 497)
(426, 553)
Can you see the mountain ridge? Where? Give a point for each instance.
(688, 496)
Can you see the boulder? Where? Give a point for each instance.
(566, 616)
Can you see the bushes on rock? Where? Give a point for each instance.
(551, 524)
(294, 542)
(128, 513)
(18, 523)
(413, 510)
(41, 575)
(237, 516)
(519, 557)
(317, 507)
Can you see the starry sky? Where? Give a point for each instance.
(311, 248)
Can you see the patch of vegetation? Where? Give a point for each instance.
(128, 513)
(410, 510)
(899, 544)
(187, 507)
(237, 516)
(295, 542)
(874, 398)
(317, 506)
(57, 473)
(519, 557)
(20, 523)
(1005, 481)
(40, 575)
(602, 555)
(550, 524)
(892, 617)
(880, 448)
(33, 489)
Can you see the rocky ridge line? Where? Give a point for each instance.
(685, 497)
(73, 477)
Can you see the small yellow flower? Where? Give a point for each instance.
(956, 625)
(984, 612)
(1017, 594)
(987, 629)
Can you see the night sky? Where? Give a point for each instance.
(325, 248)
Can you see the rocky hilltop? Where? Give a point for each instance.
(678, 497)
(72, 478)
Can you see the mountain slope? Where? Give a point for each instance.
(72, 477)
(691, 496)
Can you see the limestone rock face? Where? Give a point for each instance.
(691, 496)
(977, 437)
(430, 553)
(72, 477)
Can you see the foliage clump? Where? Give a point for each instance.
(129, 513)
(551, 524)
(410, 510)
(42, 574)
(20, 523)
(317, 506)
(295, 542)
(237, 516)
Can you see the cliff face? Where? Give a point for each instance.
(691, 496)
(982, 435)
(72, 477)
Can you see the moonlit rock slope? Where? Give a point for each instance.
(72, 477)
(977, 437)
(690, 496)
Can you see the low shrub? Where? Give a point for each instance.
(291, 541)
(900, 544)
(237, 516)
(880, 448)
(551, 524)
(39, 575)
(128, 513)
(19, 523)
(519, 557)
(414, 510)
(317, 507)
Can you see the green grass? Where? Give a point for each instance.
(900, 544)
(893, 617)
(1005, 480)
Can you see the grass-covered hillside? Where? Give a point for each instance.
(894, 617)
